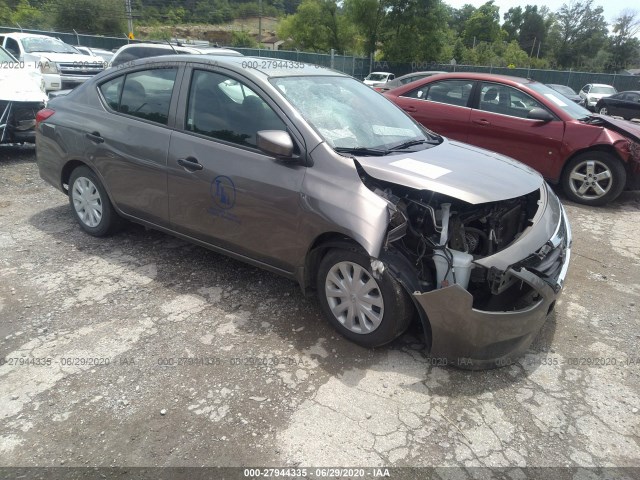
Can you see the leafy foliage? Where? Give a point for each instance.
(576, 36)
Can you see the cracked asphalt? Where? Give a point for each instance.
(143, 350)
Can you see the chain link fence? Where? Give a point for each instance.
(359, 67)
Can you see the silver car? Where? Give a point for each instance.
(311, 174)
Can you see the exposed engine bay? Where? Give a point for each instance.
(442, 237)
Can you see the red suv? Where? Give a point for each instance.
(594, 157)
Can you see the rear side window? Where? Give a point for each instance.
(452, 92)
(145, 94)
(111, 91)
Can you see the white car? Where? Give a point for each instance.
(105, 55)
(61, 65)
(21, 96)
(592, 92)
(378, 78)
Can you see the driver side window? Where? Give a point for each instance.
(226, 109)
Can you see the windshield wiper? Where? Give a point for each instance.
(411, 143)
(362, 151)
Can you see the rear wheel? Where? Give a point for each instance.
(603, 111)
(367, 310)
(91, 205)
(594, 178)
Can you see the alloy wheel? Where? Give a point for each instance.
(590, 179)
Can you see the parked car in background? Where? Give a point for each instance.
(403, 80)
(61, 65)
(592, 92)
(594, 158)
(378, 77)
(21, 96)
(105, 55)
(134, 51)
(566, 91)
(313, 175)
(623, 104)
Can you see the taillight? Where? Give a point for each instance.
(43, 115)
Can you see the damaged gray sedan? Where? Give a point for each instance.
(310, 174)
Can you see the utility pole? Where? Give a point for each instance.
(259, 23)
(127, 4)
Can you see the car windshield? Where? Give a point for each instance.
(563, 89)
(603, 89)
(350, 115)
(378, 77)
(559, 100)
(46, 44)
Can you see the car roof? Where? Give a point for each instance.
(600, 85)
(382, 73)
(483, 76)
(252, 66)
(181, 48)
(424, 72)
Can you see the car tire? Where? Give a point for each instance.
(594, 178)
(90, 204)
(603, 111)
(372, 312)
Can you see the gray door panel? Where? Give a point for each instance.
(240, 200)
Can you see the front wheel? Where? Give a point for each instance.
(594, 178)
(603, 111)
(367, 310)
(90, 204)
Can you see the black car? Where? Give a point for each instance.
(623, 104)
(566, 91)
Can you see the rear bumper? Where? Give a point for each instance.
(475, 339)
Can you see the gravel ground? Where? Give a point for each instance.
(144, 350)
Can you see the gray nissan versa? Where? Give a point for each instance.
(311, 174)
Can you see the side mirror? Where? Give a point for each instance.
(539, 114)
(275, 142)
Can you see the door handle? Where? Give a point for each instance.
(190, 163)
(410, 108)
(95, 137)
(482, 121)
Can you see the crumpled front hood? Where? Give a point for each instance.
(21, 85)
(623, 127)
(458, 170)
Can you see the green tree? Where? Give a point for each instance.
(367, 17)
(533, 31)
(514, 55)
(483, 26)
(458, 18)
(624, 46)
(415, 30)
(512, 23)
(578, 33)
(318, 25)
(5, 13)
(242, 39)
(104, 17)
